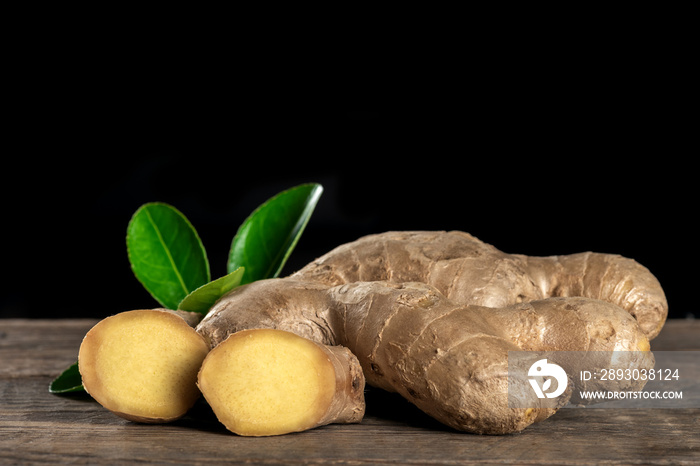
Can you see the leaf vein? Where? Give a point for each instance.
(167, 251)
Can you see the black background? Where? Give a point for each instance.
(536, 161)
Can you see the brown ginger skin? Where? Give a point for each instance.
(469, 271)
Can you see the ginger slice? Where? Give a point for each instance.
(264, 382)
(142, 365)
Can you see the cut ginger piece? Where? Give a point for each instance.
(142, 365)
(262, 382)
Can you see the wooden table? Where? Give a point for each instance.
(36, 426)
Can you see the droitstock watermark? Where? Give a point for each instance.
(604, 379)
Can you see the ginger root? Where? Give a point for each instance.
(432, 316)
(142, 365)
(469, 271)
(270, 382)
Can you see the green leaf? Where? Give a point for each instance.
(68, 382)
(265, 240)
(204, 297)
(166, 254)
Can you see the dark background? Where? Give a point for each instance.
(570, 158)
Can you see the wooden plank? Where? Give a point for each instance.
(41, 346)
(37, 427)
(678, 335)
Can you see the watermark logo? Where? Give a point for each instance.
(546, 372)
(602, 379)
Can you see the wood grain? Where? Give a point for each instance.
(38, 427)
